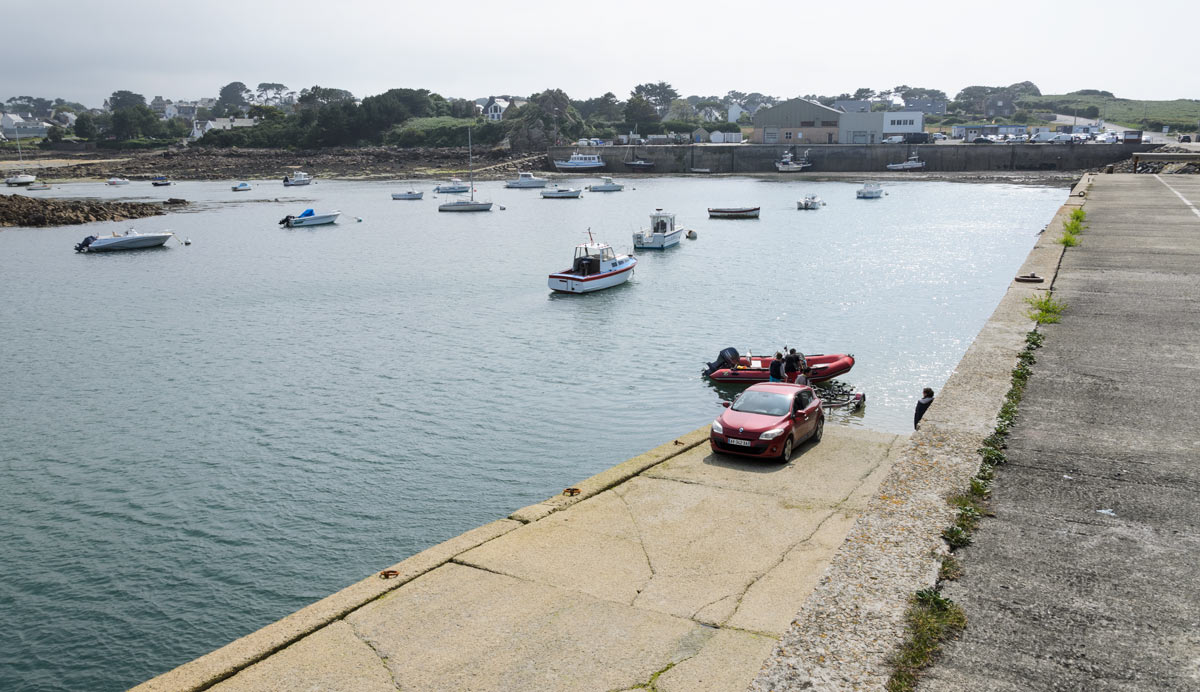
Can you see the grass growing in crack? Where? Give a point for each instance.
(950, 569)
(1078, 215)
(1045, 309)
(932, 619)
(652, 684)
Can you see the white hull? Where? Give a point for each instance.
(519, 184)
(407, 195)
(295, 183)
(241, 188)
(465, 206)
(614, 187)
(561, 194)
(791, 167)
(809, 203)
(19, 180)
(657, 241)
(137, 241)
(874, 193)
(573, 283)
(116, 181)
(906, 166)
(452, 189)
(314, 220)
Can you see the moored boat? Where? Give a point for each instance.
(309, 218)
(526, 180)
(606, 186)
(733, 212)
(466, 204)
(454, 187)
(161, 183)
(580, 162)
(594, 268)
(869, 191)
(38, 186)
(639, 165)
(129, 240)
(733, 367)
(562, 193)
(242, 187)
(296, 178)
(914, 163)
(411, 194)
(662, 233)
(116, 181)
(20, 180)
(788, 164)
(810, 202)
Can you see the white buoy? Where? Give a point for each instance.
(187, 241)
(692, 235)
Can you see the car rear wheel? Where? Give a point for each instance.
(819, 430)
(786, 456)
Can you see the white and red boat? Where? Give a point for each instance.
(595, 267)
(733, 367)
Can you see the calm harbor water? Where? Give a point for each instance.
(199, 440)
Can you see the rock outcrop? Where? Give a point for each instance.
(19, 210)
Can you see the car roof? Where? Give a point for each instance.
(777, 387)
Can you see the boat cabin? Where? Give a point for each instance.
(588, 258)
(662, 222)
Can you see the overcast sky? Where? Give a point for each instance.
(84, 50)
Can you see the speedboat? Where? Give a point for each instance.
(116, 181)
(787, 164)
(869, 191)
(733, 367)
(525, 179)
(242, 187)
(607, 186)
(810, 202)
(662, 233)
(161, 183)
(596, 267)
(297, 178)
(914, 163)
(411, 194)
(454, 187)
(309, 218)
(129, 240)
(562, 193)
(580, 162)
(20, 180)
(733, 212)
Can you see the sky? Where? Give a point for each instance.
(85, 50)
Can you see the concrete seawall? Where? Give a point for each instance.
(835, 158)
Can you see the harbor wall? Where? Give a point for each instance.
(848, 158)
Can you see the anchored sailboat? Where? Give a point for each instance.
(462, 204)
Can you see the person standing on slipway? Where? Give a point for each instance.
(922, 406)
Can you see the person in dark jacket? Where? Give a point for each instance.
(922, 406)
(776, 371)
(791, 366)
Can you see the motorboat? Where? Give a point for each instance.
(810, 202)
(595, 267)
(466, 204)
(116, 181)
(607, 186)
(411, 194)
(662, 233)
(562, 193)
(914, 163)
(580, 162)
(640, 165)
(526, 179)
(296, 178)
(309, 218)
(242, 187)
(788, 164)
(869, 191)
(20, 180)
(38, 186)
(730, 366)
(454, 187)
(733, 212)
(129, 240)
(161, 183)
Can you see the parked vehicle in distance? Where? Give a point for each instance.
(768, 420)
(1185, 138)
(938, 136)
(917, 138)
(1043, 137)
(1061, 138)
(981, 140)
(894, 139)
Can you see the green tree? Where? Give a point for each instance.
(270, 92)
(660, 95)
(125, 99)
(264, 112)
(864, 94)
(316, 96)
(134, 121)
(85, 126)
(55, 133)
(639, 110)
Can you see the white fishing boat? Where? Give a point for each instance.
(870, 191)
(526, 179)
(463, 204)
(455, 187)
(309, 218)
(562, 193)
(810, 202)
(297, 178)
(788, 164)
(914, 163)
(116, 181)
(411, 194)
(242, 187)
(20, 179)
(606, 186)
(595, 267)
(580, 162)
(129, 240)
(662, 233)
(733, 212)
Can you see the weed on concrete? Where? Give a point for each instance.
(932, 619)
(1044, 309)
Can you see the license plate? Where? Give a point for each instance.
(739, 443)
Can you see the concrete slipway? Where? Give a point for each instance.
(676, 568)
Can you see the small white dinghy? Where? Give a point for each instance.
(309, 218)
(869, 191)
(595, 267)
(810, 202)
(607, 186)
(562, 193)
(129, 240)
(242, 187)
(411, 194)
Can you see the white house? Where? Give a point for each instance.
(201, 127)
(735, 112)
(12, 125)
(495, 108)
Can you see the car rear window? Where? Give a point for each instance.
(766, 403)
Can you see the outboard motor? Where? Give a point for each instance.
(284, 221)
(727, 358)
(85, 243)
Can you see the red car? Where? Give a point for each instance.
(768, 420)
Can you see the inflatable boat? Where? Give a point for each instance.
(730, 366)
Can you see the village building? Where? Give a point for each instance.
(796, 122)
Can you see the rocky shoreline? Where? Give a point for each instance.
(19, 210)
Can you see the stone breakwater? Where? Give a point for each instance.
(19, 210)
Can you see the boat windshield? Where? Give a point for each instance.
(766, 403)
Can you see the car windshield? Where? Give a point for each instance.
(766, 403)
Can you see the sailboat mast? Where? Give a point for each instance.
(470, 165)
